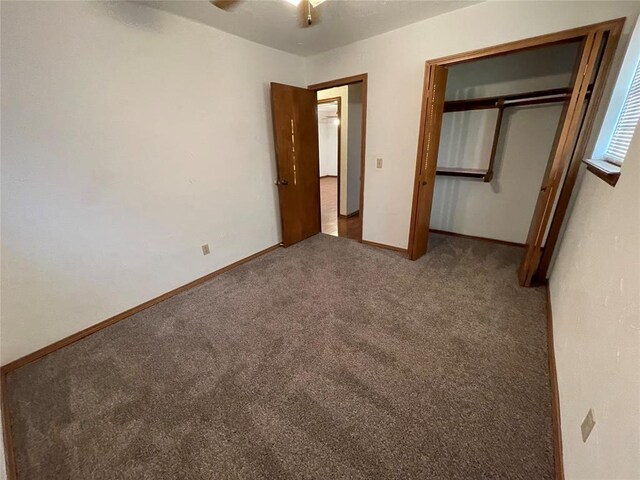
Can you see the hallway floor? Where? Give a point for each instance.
(332, 224)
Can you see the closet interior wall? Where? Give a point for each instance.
(499, 207)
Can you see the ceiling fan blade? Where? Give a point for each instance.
(307, 15)
(225, 4)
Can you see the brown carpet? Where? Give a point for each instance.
(325, 360)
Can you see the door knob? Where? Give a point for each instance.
(282, 182)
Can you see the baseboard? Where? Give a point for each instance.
(328, 176)
(353, 214)
(127, 313)
(555, 397)
(473, 237)
(20, 362)
(7, 440)
(403, 251)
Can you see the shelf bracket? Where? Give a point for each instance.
(496, 137)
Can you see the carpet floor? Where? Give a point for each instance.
(326, 360)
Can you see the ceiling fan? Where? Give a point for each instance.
(305, 9)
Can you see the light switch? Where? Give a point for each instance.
(378, 163)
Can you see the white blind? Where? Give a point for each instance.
(627, 122)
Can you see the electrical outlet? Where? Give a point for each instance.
(205, 249)
(587, 425)
(378, 163)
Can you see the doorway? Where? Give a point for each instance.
(329, 146)
(580, 102)
(295, 116)
(341, 137)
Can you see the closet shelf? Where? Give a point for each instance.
(538, 97)
(462, 172)
(553, 95)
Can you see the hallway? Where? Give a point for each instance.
(348, 227)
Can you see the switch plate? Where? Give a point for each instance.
(205, 249)
(378, 163)
(587, 425)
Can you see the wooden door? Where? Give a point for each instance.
(432, 110)
(295, 132)
(563, 147)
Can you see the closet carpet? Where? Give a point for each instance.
(325, 360)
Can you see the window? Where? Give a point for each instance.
(626, 124)
(621, 118)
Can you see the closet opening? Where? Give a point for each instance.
(502, 134)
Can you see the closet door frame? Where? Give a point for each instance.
(599, 42)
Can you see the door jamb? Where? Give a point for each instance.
(613, 27)
(341, 82)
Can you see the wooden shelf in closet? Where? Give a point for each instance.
(539, 97)
(461, 172)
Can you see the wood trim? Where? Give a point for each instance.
(571, 177)
(384, 246)
(461, 172)
(558, 159)
(610, 178)
(426, 163)
(340, 82)
(555, 395)
(20, 362)
(328, 176)
(568, 137)
(10, 462)
(329, 100)
(494, 145)
(419, 157)
(473, 237)
(523, 99)
(563, 36)
(589, 34)
(352, 214)
(363, 148)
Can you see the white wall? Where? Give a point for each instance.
(130, 137)
(354, 148)
(343, 93)
(395, 64)
(595, 297)
(501, 209)
(328, 147)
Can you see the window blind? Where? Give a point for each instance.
(619, 144)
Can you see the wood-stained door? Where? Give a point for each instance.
(561, 153)
(432, 111)
(295, 132)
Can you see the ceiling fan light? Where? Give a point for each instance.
(315, 3)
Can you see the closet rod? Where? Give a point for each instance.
(537, 97)
(515, 100)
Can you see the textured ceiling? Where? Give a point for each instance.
(275, 22)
